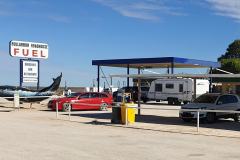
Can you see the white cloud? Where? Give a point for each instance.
(10, 8)
(228, 8)
(141, 9)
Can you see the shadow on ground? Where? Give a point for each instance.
(5, 111)
(158, 104)
(224, 124)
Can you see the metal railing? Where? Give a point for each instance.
(70, 107)
(191, 110)
(151, 108)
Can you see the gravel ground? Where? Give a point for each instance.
(37, 134)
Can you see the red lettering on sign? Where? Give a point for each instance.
(34, 53)
(25, 52)
(29, 52)
(42, 54)
(15, 51)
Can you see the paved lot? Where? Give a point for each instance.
(37, 134)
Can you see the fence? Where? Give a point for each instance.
(16, 99)
(193, 110)
(16, 105)
(149, 108)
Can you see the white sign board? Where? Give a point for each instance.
(28, 49)
(30, 80)
(30, 71)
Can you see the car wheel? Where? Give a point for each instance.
(236, 117)
(185, 102)
(66, 107)
(211, 117)
(103, 107)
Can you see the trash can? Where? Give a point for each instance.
(116, 114)
(130, 113)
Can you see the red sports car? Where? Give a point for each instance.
(86, 101)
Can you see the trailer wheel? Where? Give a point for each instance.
(177, 102)
(170, 102)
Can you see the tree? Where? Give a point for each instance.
(230, 61)
(233, 51)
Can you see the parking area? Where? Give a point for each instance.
(37, 134)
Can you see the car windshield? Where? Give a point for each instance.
(206, 99)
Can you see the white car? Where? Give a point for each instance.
(212, 101)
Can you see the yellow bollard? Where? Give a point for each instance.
(128, 114)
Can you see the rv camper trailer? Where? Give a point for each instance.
(176, 91)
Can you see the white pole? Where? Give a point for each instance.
(69, 111)
(57, 110)
(16, 101)
(197, 121)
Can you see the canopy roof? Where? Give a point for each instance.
(156, 76)
(160, 62)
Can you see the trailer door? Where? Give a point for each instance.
(187, 91)
(158, 90)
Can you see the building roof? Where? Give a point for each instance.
(159, 62)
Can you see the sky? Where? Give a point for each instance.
(78, 32)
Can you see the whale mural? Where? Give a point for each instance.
(28, 95)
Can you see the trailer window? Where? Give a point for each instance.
(158, 87)
(180, 87)
(169, 86)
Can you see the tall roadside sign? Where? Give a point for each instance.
(29, 66)
(28, 49)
